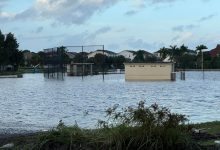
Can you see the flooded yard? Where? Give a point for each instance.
(36, 103)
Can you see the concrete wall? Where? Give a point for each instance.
(72, 70)
(148, 71)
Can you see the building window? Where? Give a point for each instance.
(153, 66)
(162, 66)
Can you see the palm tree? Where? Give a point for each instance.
(183, 49)
(173, 52)
(139, 58)
(163, 52)
(200, 48)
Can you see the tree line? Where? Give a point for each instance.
(184, 58)
(9, 53)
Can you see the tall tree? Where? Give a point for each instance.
(118, 62)
(199, 49)
(163, 53)
(2, 38)
(62, 56)
(100, 61)
(183, 49)
(139, 57)
(173, 52)
(42, 56)
(12, 56)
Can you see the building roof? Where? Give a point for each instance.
(191, 52)
(215, 52)
(107, 51)
(146, 52)
(153, 63)
(131, 51)
(71, 54)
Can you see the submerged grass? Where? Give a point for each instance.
(210, 127)
(4, 73)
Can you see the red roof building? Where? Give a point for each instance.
(215, 52)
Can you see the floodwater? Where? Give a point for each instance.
(34, 103)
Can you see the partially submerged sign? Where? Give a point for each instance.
(148, 71)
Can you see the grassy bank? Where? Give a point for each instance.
(5, 73)
(140, 128)
(31, 70)
(11, 74)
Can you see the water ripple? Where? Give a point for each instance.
(35, 103)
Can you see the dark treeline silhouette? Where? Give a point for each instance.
(10, 56)
(184, 58)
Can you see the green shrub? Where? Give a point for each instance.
(145, 127)
(140, 128)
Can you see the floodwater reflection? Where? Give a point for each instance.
(34, 102)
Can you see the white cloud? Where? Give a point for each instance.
(205, 18)
(64, 11)
(69, 11)
(142, 44)
(98, 32)
(183, 38)
(3, 3)
(181, 28)
(6, 15)
(139, 3)
(131, 13)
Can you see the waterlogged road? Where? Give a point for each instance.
(34, 103)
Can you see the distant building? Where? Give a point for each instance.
(167, 59)
(215, 52)
(103, 52)
(6, 67)
(27, 57)
(148, 71)
(157, 54)
(128, 54)
(147, 54)
(191, 52)
(71, 55)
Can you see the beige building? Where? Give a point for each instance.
(148, 71)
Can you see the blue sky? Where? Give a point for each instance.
(118, 24)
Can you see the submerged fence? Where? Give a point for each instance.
(54, 64)
(74, 61)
